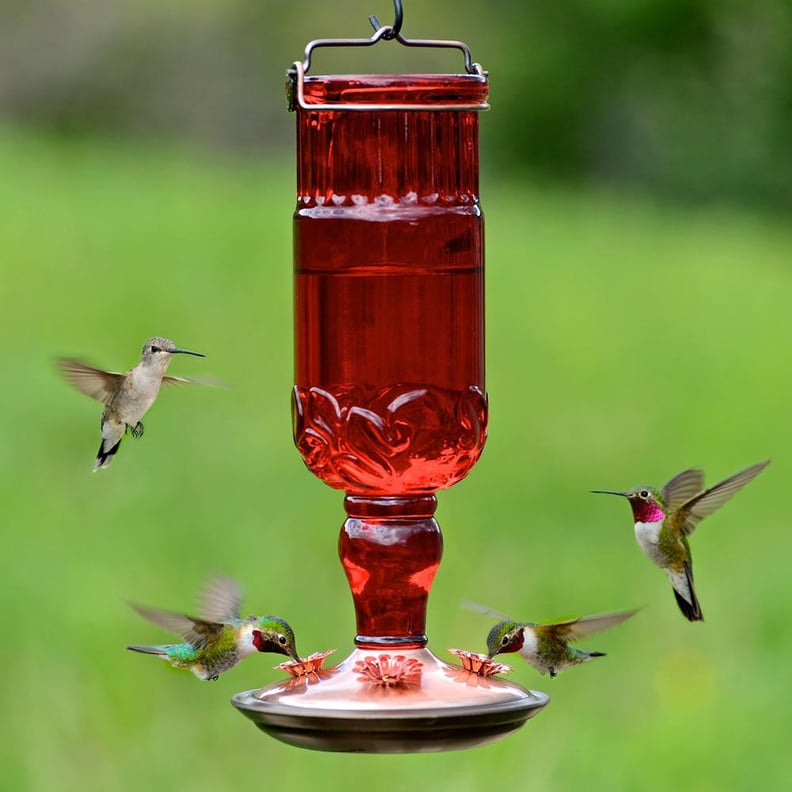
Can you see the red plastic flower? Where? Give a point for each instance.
(480, 664)
(389, 671)
(310, 665)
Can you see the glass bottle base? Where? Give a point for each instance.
(390, 701)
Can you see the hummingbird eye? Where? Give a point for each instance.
(282, 640)
(505, 640)
(155, 349)
(644, 494)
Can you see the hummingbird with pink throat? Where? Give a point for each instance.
(664, 519)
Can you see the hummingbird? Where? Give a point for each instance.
(547, 646)
(220, 638)
(664, 518)
(127, 397)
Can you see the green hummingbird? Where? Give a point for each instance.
(664, 518)
(127, 397)
(547, 646)
(218, 640)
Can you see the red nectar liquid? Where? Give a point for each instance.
(389, 286)
(389, 399)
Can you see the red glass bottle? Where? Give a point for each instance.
(389, 401)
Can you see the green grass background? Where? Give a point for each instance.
(626, 341)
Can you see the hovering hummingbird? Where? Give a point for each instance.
(547, 646)
(218, 640)
(127, 397)
(664, 518)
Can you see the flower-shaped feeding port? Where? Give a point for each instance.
(480, 664)
(306, 667)
(306, 672)
(389, 671)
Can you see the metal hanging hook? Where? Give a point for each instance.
(391, 31)
(296, 97)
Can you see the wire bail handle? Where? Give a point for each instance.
(296, 93)
(398, 19)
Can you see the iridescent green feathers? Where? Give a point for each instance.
(502, 637)
(547, 647)
(219, 638)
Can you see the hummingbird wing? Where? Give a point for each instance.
(208, 382)
(170, 380)
(93, 382)
(221, 600)
(195, 631)
(575, 629)
(476, 608)
(711, 499)
(682, 488)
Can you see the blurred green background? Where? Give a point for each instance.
(637, 169)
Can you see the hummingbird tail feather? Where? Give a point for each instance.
(103, 458)
(690, 610)
(685, 592)
(153, 650)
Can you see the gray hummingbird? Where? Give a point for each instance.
(547, 646)
(127, 397)
(664, 518)
(220, 638)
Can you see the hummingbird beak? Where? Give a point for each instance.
(609, 492)
(178, 351)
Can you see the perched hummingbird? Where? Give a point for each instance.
(664, 518)
(546, 646)
(218, 640)
(127, 397)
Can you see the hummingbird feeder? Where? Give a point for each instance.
(389, 398)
